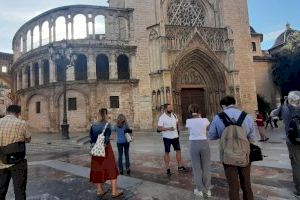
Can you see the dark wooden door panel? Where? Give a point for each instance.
(191, 96)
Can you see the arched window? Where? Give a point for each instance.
(123, 67)
(60, 28)
(102, 67)
(21, 44)
(45, 33)
(61, 72)
(186, 13)
(36, 37)
(80, 27)
(253, 46)
(36, 74)
(28, 39)
(100, 27)
(46, 71)
(81, 67)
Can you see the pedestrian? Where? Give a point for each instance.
(260, 125)
(123, 145)
(199, 151)
(236, 176)
(269, 120)
(104, 168)
(13, 131)
(168, 126)
(287, 111)
(275, 120)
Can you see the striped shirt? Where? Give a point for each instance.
(12, 130)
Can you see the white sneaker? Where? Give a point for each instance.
(198, 193)
(208, 193)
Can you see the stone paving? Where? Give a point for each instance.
(60, 170)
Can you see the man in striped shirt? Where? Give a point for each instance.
(13, 130)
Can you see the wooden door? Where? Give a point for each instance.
(191, 96)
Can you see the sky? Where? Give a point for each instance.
(266, 16)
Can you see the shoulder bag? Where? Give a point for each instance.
(99, 148)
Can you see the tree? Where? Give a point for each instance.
(286, 70)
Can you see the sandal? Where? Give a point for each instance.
(117, 195)
(102, 194)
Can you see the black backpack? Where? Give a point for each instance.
(294, 127)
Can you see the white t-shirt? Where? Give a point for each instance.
(197, 128)
(167, 122)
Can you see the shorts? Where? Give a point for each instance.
(168, 142)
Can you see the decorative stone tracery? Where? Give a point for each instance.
(186, 13)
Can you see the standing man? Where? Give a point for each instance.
(236, 176)
(13, 130)
(287, 112)
(168, 125)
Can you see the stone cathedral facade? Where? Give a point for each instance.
(151, 52)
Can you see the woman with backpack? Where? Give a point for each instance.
(121, 128)
(199, 150)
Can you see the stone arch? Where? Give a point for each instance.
(102, 67)
(123, 67)
(81, 67)
(76, 123)
(38, 112)
(201, 75)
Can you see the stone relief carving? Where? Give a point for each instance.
(215, 37)
(186, 13)
(190, 76)
(153, 34)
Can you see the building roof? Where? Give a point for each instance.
(252, 30)
(254, 33)
(282, 38)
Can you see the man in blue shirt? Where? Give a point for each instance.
(234, 173)
(286, 112)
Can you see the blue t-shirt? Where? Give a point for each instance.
(120, 133)
(97, 129)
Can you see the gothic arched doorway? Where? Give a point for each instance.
(198, 78)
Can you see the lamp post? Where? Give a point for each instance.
(63, 56)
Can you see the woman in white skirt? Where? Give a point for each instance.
(199, 150)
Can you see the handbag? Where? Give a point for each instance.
(128, 137)
(99, 148)
(13, 153)
(255, 153)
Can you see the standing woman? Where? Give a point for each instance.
(123, 146)
(104, 168)
(199, 150)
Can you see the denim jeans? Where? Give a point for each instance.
(125, 147)
(294, 154)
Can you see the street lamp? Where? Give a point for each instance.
(63, 56)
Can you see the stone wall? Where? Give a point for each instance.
(235, 15)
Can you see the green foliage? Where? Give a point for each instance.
(286, 69)
(263, 105)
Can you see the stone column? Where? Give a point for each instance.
(54, 32)
(113, 68)
(18, 80)
(24, 44)
(32, 76)
(94, 36)
(72, 29)
(67, 29)
(87, 26)
(52, 71)
(40, 32)
(50, 32)
(41, 73)
(132, 67)
(24, 78)
(91, 66)
(31, 44)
